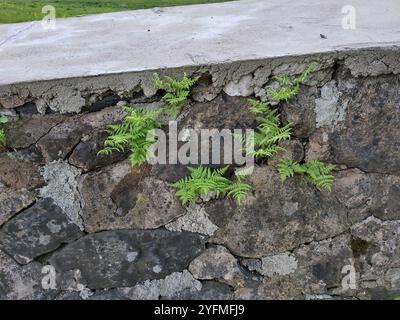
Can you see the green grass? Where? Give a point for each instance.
(28, 10)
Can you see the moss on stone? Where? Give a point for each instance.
(359, 246)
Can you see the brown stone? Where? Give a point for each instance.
(18, 174)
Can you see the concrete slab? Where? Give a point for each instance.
(190, 36)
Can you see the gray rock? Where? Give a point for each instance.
(366, 194)
(124, 258)
(195, 220)
(112, 294)
(121, 197)
(277, 217)
(170, 287)
(243, 87)
(12, 202)
(377, 253)
(210, 290)
(26, 132)
(300, 112)
(37, 230)
(213, 114)
(369, 134)
(279, 264)
(85, 154)
(329, 113)
(217, 263)
(62, 187)
(21, 282)
(319, 269)
(63, 138)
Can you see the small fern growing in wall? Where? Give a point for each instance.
(177, 91)
(318, 173)
(3, 140)
(289, 88)
(269, 131)
(204, 180)
(133, 134)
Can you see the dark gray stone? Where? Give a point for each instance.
(368, 136)
(37, 230)
(366, 194)
(85, 154)
(26, 132)
(277, 217)
(210, 290)
(124, 258)
(213, 114)
(21, 282)
(62, 139)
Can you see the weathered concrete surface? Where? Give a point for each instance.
(214, 33)
(237, 44)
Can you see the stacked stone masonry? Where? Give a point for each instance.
(115, 232)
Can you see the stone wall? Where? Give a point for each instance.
(116, 232)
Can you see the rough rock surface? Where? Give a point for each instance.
(126, 257)
(167, 288)
(286, 240)
(62, 139)
(217, 263)
(358, 192)
(62, 187)
(20, 282)
(276, 217)
(367, 116)
(119, 197)
(37, 230)
(12, 202)
(195, 220)
(18, 174)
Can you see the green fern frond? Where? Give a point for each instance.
(3, 119)
(177, 91)
(257, 106)
(288, 88)
(238, 190)
(317, 172)
(204, 180)
(287, 168)
(132, 134)
(306, 73)
(283, 93)
(3, 140)
(269, 132)
(283, 80)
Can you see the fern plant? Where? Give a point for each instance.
(3, 140)
(289, 88)
(318, 173)
(177, 91)
(133, 133)
(269, 132)
(204, 180)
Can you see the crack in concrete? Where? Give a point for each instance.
(16, 34)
